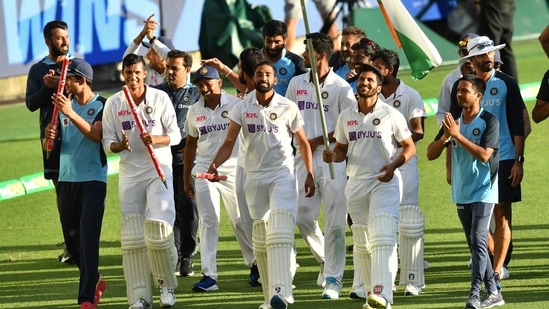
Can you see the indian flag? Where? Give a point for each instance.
(422, 55)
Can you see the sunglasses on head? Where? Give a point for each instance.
(483, 45)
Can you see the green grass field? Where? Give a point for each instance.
(30, 276)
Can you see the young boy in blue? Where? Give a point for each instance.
(473, 141)
(82, 184)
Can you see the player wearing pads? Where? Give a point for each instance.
(409, 103)
(367, 136)
(268, 122)
(337, 95)
(148, 211)
(206, 126)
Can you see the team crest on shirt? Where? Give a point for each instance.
(494, 91)
(91, 111)
(224, 114)
(186, 98)
(376, 121)
(283, 71)
(273, 116)
(476, 131)
(149, 110)
(396, 103)
(325, 95)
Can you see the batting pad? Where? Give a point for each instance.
(260, 253)
(135, 260)
(362, 257)
(280, 243)
(160, 242)
(382, 233)
(410, 232)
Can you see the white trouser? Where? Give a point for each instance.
(208, 199)
(330, 247)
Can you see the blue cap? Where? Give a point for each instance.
(79, 67)
(206, 72)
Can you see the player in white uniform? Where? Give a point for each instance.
(268, 122)
(206, 126)
(368, 136)
(148, 211)
(411, 226)
(337, 95)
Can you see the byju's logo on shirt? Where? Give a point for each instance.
(303, 105)
(213, 128)
(128, 125)
(356, 135)
(257, 128)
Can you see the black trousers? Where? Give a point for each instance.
(186, 214)
(81, 209)
(496, 22)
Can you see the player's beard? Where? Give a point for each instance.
(370, 92)
(58, 51)
(263, 87)
(346, 55)
(274, 52)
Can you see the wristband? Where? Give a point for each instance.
(151, 40)
(228, 72)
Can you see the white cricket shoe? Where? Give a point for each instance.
(332, 288)
(167, 297)
(140, 304)
(412, 290)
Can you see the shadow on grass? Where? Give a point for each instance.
(45, 283)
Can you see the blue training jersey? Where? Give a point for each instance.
(81, 158)
(288, 66)
(503, 99)
(472, 179)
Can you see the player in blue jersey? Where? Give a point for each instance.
(82, 186)
(287, 63)
(41, 85)
(503, 99)
(473, 141)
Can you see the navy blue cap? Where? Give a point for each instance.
(206, 72)
(79, 67)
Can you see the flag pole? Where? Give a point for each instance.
(316, 83)
(389, 24)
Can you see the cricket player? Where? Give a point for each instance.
(408, 102)
(368, 136)
(207, 126)
(337, 95)
(148, 211)
(268, 122)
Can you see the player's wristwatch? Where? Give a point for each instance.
(520, 159)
